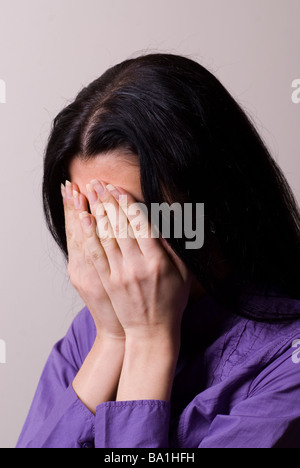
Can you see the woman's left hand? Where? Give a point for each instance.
(146, 281)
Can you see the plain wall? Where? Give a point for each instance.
(50, 49)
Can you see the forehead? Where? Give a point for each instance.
(116, 168)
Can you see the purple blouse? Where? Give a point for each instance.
(237, 385)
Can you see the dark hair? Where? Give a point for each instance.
(195, 144)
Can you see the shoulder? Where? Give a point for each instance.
(276, 317)
(268, 305)
(268, 349)
(278, 368)
(276, 320)
(250, 345)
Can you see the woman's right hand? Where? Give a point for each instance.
(82, 272)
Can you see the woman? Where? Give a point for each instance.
(176, 347)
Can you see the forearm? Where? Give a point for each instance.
(148, 369)
(97, 380)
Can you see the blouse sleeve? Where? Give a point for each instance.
(57, 418)
(269, 417)
(133, 424)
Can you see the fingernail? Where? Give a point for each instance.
(92, 196)
(76, 199)
(98, 186)
(85, 219)
(69, 189)
(113, 190)
(63, 190)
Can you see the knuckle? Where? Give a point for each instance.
(116, 278)
(89, 260)
(122, 231)
(133, 276)
(157, 266)
(69, 233)
(76, 245)
(105, 237)
(154, 266)
(108, 244)
(96, 255)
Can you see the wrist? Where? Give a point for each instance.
(108, 347)
(148, 368)
(98, 378)
(162, 347)
(109, 339)
(154, 337)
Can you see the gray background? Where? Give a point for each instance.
(50, 49)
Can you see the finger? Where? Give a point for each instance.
(146, 235)
(118, 221)
(74, 235)
(106, 215)
(70, 216)
(80, 201)
(88, 254)
(137, 214)
(95, 252)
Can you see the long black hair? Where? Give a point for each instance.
(195, 144)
